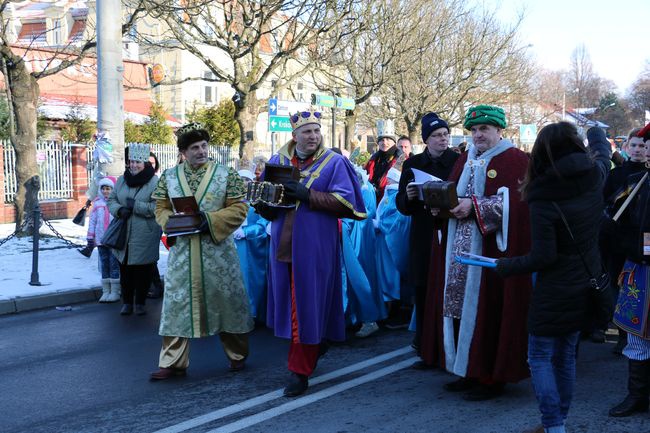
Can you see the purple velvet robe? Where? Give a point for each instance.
(315, 253)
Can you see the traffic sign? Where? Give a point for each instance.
(278, 107)
(279, 124)
(527, 133)
(323, 100)
(345, 103)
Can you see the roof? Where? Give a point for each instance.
(53, 108)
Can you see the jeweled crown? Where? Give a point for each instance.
(188, 127)
(302, 118)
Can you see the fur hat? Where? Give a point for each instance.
(485, 115)
(189, 134)
(106, 181)
(431, 122)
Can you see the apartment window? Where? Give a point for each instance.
(209, 90)
(57, 31)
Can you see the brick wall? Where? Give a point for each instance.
(53, 209)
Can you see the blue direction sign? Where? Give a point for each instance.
(279, 124)
(273, 107)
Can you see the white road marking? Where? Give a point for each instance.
(311, 398)
(247, 404)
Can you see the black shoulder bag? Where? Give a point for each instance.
(600, 296)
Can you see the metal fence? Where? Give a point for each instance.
(54, 160)
(167, 155)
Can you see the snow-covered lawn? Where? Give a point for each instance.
(60, 268)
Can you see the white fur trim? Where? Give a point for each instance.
(502, 235)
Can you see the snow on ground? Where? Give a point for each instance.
(60, 268)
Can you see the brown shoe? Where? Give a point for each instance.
(237, 365)
(166, 373)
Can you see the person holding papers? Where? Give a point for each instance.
(475, 319)
(204, 289)
(437, 160)
(563, 187)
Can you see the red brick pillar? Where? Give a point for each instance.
(79, 173)
(4, 209)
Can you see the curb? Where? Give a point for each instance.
(28, 303)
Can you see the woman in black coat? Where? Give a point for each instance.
(563, 176)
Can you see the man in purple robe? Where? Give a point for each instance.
(304, 297)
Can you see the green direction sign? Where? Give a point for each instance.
(323, 100)
(279, 124)
(345, 103)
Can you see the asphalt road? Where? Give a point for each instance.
(86, 370)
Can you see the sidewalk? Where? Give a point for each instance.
(66, 276)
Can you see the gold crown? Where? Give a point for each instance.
(302, 118)
(188, 127)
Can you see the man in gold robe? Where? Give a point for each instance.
(204, 290)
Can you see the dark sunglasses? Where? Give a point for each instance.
(305, 115)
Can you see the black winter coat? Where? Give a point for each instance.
(422, 223)
(559, 303)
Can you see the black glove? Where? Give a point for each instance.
(124, 212)
(265, 211)
(205, 224)
(130, 202)
(296, 190)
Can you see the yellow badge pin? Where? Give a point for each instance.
(492, 174)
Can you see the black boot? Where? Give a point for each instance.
(88, 249)
(621, 343)
(297, 385)
(637, 386)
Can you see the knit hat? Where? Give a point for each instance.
(106, 181)
(485, 115)
(139, 152)
(431, 122)
(645, 133)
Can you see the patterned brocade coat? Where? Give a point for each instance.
(204, 290)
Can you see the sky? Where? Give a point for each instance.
(618, 46)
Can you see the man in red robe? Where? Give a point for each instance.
(475, 321)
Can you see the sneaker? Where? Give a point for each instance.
(126, 310)
(140, 310)
(396, 323)
(367, 329)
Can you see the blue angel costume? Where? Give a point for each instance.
(253, 252)
(364, 299)
(392, 252)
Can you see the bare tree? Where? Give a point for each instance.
(259, 39)
(359, 64)
(21, 86)
(462, 57)
(584, 84)
(639, 95)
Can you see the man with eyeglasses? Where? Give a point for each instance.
(304, 295)
(437, 160)
(477, 329)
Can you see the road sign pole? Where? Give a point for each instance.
(334, 127)
(272, 143)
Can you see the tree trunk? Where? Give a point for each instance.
(24, 93)
(350, 126)
(246, 117)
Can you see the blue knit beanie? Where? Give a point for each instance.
(431, 122)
